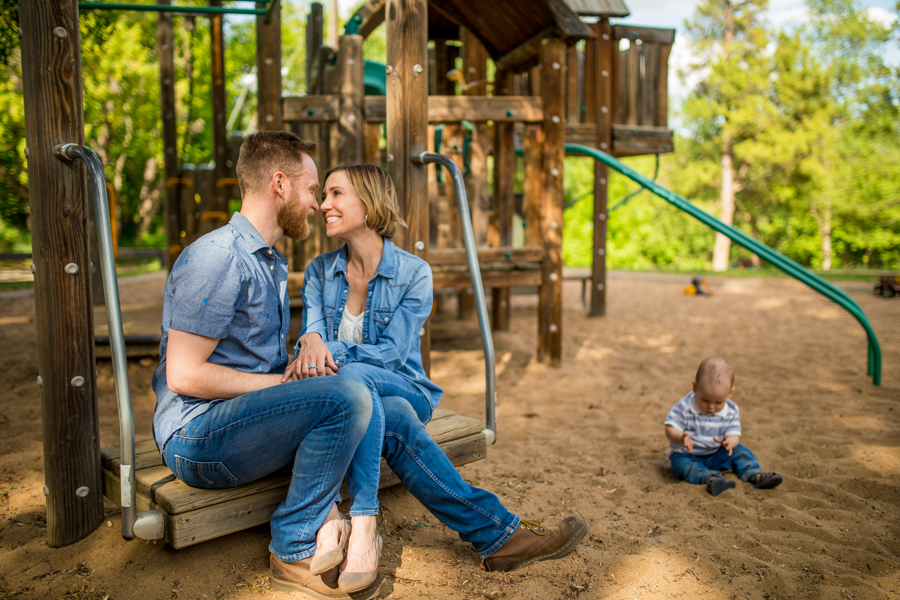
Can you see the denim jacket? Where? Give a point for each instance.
(398, 302)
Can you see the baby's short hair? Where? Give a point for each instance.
(715, 372)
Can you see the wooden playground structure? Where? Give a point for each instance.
(557, 79)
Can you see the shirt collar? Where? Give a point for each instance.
(696, 409)
(386, 266)
(251, 240)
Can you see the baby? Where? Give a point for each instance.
(704, 431)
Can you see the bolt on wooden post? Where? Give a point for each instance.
(54, 114)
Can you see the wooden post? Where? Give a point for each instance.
(314, 24)
(165, 49)
(407, 124)
(220, 136)
(268, 69)
(504, 196)
(602, 95)
(51, 78)
(351, 119)
(187, 204)
(553, 80)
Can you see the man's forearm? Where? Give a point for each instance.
(212, 381)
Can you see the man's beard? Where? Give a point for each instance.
(293, 219)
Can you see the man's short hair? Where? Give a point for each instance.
(266, 152)
(714, 373)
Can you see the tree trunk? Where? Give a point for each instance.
(729, 185)
(823, 223)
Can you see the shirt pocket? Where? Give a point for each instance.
(381, 318)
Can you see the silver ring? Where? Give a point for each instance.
(312, 367)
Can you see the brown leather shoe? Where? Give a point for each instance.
(295, 577)
(533, 542)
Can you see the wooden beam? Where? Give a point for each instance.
(188, 208)
(524, 52)
(498, 254)
(504, 197)
(311, 109)
(64, 318)
(533, 184)
(165, 51)
(603, 95)
(372, 14)
(407, 125)
(351, 121)
(314, 38)
(219, 103)
(645, 34)
(553, 75)
(567, 22)
(268, 70)
(475, 109)
(490, 279)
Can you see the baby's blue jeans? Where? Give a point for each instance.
(700, 469)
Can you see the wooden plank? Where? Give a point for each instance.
(372, 143)
(187, 204)
(53, 101)
(525, 53)
(351, 80)
(407, 126)
(553, 74)
(637, 146)
(632, 84)
(646, 34)
(372, 15)
(268, 70)
(650, 81)
(489, 279)
(626, 132)
(112, 491)
(573, 100)
(475, 69)
(453, 109)
(311, 109)
(604, 97)
(533, 184)
(165, 51)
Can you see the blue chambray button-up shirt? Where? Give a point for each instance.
(398, 301)
(231, 286)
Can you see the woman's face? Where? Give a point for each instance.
(342, 209)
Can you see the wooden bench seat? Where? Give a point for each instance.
(196, 515)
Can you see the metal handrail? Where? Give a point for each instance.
(194, 10)
(778, 260)
(147, 525)
(465, 219)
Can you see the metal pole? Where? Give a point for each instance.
(151, 522)
(490, 372)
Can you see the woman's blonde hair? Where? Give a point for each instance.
(374, 187)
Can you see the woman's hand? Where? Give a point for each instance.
(313, 360)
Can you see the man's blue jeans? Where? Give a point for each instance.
(314, 425)
(700, 469)
(477, 515)
(364, 474)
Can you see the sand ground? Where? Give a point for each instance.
(584, 439)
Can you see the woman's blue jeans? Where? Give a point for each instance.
(364, 475)
(700, 469)
(314, 425)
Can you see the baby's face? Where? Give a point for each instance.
(711, 401)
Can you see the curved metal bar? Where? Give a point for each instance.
(465, 219)
(97, 185)
(780, 261)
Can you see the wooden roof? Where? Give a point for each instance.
(511, 30)
(599, 8)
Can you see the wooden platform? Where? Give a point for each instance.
(196, 515)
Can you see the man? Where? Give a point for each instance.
(225, 317)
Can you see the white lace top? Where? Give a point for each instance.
(351, 328)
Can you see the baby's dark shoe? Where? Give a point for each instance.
(717, 485)
(766, 481)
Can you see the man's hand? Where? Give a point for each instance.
(729, 443)
(313, 360)
(688, 442)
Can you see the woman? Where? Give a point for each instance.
(364, 306)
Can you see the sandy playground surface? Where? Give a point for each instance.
(585, 439)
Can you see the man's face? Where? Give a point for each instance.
(711, 401)
(299, 201)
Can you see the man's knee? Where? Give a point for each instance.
(353, 397)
